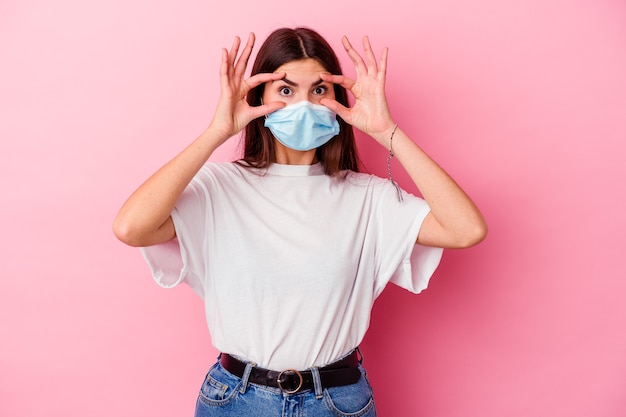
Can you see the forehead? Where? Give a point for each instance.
(302, 67)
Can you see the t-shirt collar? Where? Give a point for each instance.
(296, 170)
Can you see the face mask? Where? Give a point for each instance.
(303, 126)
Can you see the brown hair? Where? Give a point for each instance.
(286, 45)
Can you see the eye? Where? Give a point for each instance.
(285, 91)
(320, 89)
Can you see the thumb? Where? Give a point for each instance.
(266, 109)
(341, 110)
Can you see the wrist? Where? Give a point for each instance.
(214, 136)
(384, 136)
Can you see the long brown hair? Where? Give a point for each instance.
(286, 45)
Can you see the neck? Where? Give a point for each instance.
(288, 156)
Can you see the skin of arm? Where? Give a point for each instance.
(145, 218)
(454, 220)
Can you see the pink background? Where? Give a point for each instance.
(522, 101)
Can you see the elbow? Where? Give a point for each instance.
(125, 233)
(134, 232)
(473, 236)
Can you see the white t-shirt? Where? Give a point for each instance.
(289, 260)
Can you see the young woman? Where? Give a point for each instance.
(290, 246)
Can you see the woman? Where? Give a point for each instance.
(290, 246)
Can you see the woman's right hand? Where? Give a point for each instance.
(145, 218)
(233, 113)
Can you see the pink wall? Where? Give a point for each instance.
(524, 102)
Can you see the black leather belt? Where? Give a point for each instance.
(343, 372)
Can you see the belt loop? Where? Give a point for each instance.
(317, 383)
(359, 354)
(245, 377)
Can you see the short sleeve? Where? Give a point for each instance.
(180, 260)
(400, 260)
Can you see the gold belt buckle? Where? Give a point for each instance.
(289, 372)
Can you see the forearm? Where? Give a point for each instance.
(144, 218)
(454, 221)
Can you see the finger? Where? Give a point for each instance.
(232, 55)
(341, 80)
(242, 62)
(369, 56)
(224, 69)
(264, 77)
(359, 65)
(341, 110)
(266, 108)
(272, 106)
(382, 67)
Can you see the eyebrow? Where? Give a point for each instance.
(294, 84)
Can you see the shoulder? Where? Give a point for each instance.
(362, 179)
(214, 176)
(382, 191)
(218, 170)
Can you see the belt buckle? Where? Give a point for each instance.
(289, 372)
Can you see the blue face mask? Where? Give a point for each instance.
(303, 126)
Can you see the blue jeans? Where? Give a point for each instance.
(224, 394)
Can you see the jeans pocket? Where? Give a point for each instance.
(219, 387)
(356, 400)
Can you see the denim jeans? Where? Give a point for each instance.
(224, 394)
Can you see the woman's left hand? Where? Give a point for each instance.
(370, 112)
